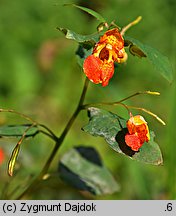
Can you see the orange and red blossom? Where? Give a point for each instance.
(99, 67)
(138, 132)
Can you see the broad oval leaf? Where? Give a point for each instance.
(158, 60)
(18, 130)
(113, 129)
(89, 11)
(82, 168)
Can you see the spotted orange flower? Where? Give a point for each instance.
(99, 67)
(138, 132)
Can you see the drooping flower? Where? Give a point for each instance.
(138, 132)
(99, 67)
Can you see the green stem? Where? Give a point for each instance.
(149, 112)
(47, 134)
(31, 120)
(86, 106)
(20, 114)
(78, 109)
(120, 101)
(60, 140)
(53, 136)
(67, 127)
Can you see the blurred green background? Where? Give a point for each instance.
(39, 76)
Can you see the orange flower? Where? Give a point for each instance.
(138, 132)
(99, 67)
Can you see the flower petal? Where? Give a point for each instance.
(91, 68)
(99, 67)
(133, 141)
(138, 132)
(98, 71)
(107, 71)
(137, 124)
(114, 38)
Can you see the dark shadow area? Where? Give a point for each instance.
(120, 138)
(90, 154)
(73, 179)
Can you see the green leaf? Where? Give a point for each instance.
(150, 152)
(82, 168)
(87, 40)
(113, 129)
(89, 11)
(17, 131)
(160, 62)
(12, 160)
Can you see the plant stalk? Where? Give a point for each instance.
(59, 142)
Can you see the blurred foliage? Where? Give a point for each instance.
(39, 76)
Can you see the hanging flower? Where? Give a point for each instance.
(138, 132)
(99, 67)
